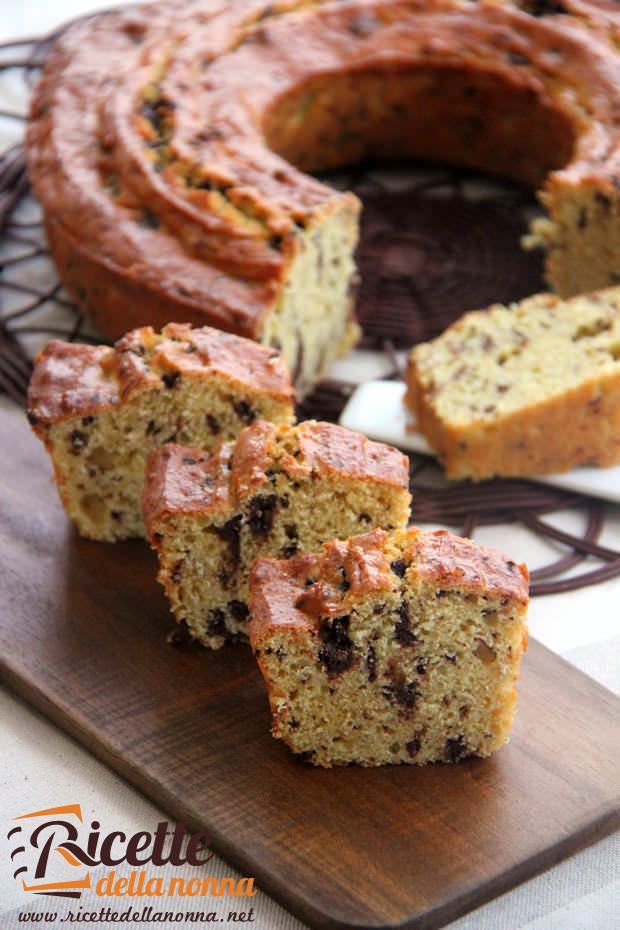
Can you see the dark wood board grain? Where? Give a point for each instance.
(83, 638)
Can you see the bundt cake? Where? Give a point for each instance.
(170, 146)
(277, 490)
(528, 389)
(400, 647)
(101, 410)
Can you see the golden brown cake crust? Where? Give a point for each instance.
(321, 448)
(71, 380)
(183, 480)
(163, 140)
(280, 594)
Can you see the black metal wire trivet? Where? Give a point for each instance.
(442, 241)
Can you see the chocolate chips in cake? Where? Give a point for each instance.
(101, 410)
(276, 491)
(384, 671)
(527, 389)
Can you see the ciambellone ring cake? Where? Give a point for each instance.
(172, 147)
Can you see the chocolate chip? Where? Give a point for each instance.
(345, 584)
(336, 653)
(543, 7)
(78, 441)
(171, 378)
(518, 59)
(399, 567)
(402, 629)
(151, 428)
(279, 653)
(87, 421)
(456, 749)
(401, 692)
(238, 610)
(413, 747)
(261, 514)
(245, 412)
(117, 515)
(149, 220)
(364, 25)
(229, 532)
(371, 663)
(287, 552)
(216, 623)
(450, 657)
(422, 666)
(293, 724)
(213, 423)
(291, 531)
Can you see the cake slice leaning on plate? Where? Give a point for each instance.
(528, 389)
(100, 410)
(276, 491)
(387, 648)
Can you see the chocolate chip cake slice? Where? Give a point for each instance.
(388, 648)
(528, 389)
(100, 410)
(276, 491)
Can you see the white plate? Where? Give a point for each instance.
(377, 409)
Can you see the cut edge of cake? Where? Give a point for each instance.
(532, 388)
(390, 648)
(276, 490)
(100, 410)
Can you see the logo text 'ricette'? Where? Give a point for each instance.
(56, 840)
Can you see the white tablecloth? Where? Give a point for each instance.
(41, 766)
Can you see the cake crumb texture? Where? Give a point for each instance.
(276, 491)
(400, 647)
(527, 389)
(100, 410)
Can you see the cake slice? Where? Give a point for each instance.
(276, 491)
(100, 410)
(385, 648)
(528, 389)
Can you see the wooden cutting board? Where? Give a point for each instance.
(83, 638)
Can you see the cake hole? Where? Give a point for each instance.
(484, 652)
(93, 507)
(101, 458)
(435, 112)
